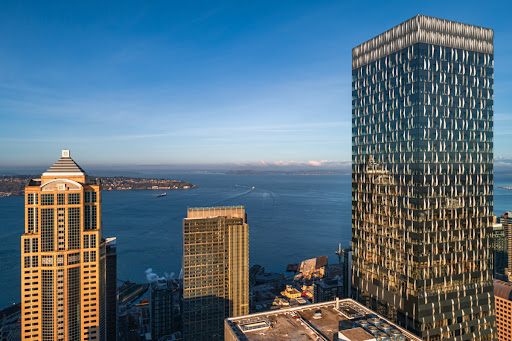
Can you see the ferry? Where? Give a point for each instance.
(161, 195)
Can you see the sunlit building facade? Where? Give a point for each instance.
(422, 177)
(503, 297)
(215, 270)
(63, 256)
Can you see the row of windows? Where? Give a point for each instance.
(438, 54)
(73, 198)
(33, 261)
(48, 199)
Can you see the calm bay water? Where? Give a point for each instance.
(291, 218)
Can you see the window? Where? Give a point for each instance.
(90, 217)
(74, 198)
(32, 222)
(47, 199)
(31, 198)
(30, 245)
(47, 229)
(90, 197)
(31, 261)
(74, 228)
(61, 199)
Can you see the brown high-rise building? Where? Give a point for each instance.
(63, 256)
(215, 270)
(503, 297)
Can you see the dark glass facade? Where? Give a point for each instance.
(161, 309)
(500, 252)
(422, 183)
(503, 244)
(215, 270)
(111, 289)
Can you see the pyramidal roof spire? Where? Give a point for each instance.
(65, 166)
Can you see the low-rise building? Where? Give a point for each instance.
(291, 292)
(335, 320)
(328, 290)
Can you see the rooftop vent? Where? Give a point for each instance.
(254, 325)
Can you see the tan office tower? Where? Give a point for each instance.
(63, 256)
(215, 270)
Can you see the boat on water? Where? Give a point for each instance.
(253, 187)
(161, 195)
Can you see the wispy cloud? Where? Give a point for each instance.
(291, 163)
(502, 117)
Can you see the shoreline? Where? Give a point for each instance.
(11, 186)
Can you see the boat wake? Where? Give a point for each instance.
(231, 197)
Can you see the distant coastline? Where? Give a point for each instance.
(305, 172)
(15, 185)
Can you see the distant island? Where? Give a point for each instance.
(15, 185)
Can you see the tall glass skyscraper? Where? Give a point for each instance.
(422, 177)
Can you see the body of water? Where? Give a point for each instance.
(291, 218)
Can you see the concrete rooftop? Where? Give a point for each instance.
(316, 322)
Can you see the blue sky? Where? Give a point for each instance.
(250, 83)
